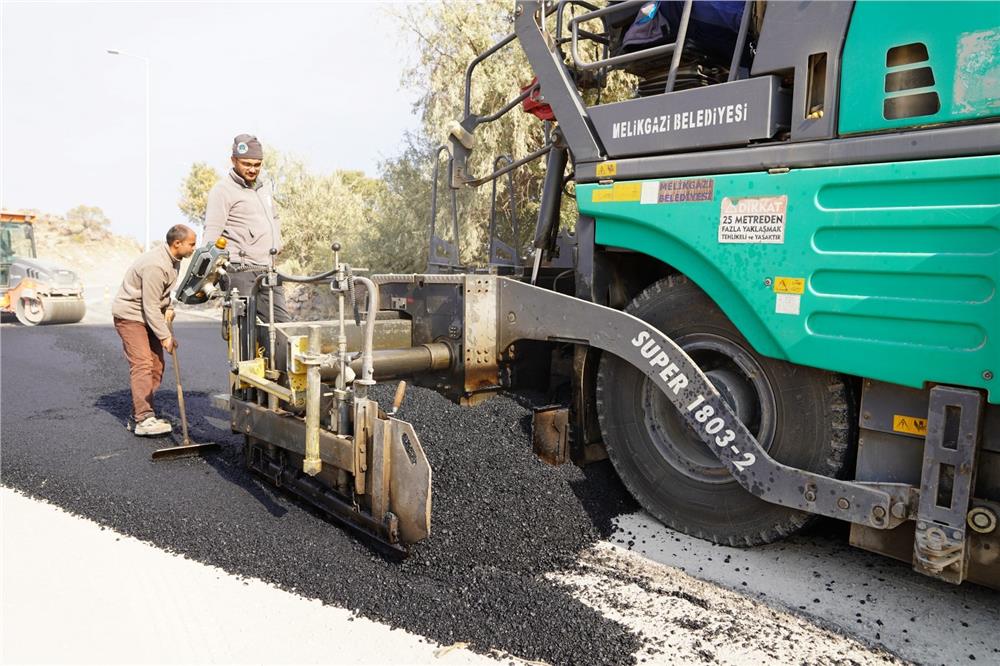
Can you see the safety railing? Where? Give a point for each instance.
(675, 49)
(499, 252)
(443, 255)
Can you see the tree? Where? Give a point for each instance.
(87, 218)
(194, 192)
(397, 240)
(449, 36)
(316, 210)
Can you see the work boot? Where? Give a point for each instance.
(148, 427)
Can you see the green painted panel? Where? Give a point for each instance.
(919, 64)
(900, 287)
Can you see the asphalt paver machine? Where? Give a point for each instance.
(778, 299)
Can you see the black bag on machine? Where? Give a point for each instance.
(650, 28)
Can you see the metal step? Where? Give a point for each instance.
(954, 422)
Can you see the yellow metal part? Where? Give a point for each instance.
(251, 373)
(298, 344)
(254, 368)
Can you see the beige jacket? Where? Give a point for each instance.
(246, 217)
(145, 292)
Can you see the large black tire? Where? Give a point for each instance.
(800, 416)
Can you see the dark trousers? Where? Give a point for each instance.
(144, 353)
(244, 280)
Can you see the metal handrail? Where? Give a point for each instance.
(475, 61)
(559, 15)
(481, 57)
(510, 167)
(741, 40)
(436, 174)
(675, 61)
(574, 27)
(515, 227)
(675, 48)
(508, 106)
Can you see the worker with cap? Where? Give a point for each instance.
(241, 210)
(142, 315)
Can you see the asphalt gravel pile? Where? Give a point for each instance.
(501, 517)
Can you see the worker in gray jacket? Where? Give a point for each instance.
(142, 316)
(241, 210)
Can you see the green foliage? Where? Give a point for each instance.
(87, 217)
(449, 36)
(384, 223)
(398, 239)
(194, 192)
(316, 210)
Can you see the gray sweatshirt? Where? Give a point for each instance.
(145, 292)
(245, 216)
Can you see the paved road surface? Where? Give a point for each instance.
(64, 397)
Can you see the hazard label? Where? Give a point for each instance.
(789, 285)
(753, 219)
(607, 169)
(909, 424)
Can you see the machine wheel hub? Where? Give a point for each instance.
(744, 387)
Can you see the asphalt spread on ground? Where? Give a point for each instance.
(501, 518)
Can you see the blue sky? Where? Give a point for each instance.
(318, 80)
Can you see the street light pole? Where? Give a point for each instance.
(145, 61)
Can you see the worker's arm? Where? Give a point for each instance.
(216, 214)
(154, 280)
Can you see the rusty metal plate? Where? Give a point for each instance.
(550, 434)
(409, 483)
(480, 337)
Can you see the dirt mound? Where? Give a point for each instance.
(83, 242)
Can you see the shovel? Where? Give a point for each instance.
(186, 447)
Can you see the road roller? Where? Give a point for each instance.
(35, 290)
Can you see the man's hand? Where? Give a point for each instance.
(170, 344)
(169, 315)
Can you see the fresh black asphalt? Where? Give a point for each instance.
(501, 519)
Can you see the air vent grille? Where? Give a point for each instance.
(908, 83)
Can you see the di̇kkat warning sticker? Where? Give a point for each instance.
(757, 220)
(678, 191)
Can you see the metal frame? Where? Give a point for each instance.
(954, 422)
(438, 247)
(497, 247)
(962, 141)
(525, 313)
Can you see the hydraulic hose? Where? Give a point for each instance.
(367, 363)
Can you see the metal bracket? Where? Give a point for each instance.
(251, 373)
(531, 313)
(481, 368)
(940, 548)
(550, 434)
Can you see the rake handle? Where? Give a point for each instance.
(180, 391)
